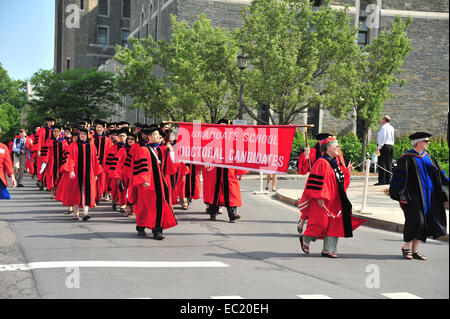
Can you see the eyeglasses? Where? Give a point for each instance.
(426, 141)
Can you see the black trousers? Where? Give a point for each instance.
(385, 161)
(214, 210)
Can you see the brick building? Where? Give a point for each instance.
(87, 31)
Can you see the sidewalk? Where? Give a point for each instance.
(380, 211)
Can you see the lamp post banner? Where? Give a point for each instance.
(259, 148)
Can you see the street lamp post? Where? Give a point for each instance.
(242, 63)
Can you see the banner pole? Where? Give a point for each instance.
(261, 186)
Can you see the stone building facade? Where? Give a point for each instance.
(421, 104)
(87, 31)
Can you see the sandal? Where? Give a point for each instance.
(305, 248)
(407, 253)
(419, 256)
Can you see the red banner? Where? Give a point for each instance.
(261, 148)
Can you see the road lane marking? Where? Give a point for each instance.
(314, 297)
(401, 295)
(112, 264)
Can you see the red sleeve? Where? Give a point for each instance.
(72, 157)
(95, 164)
(142, 172)
(304, 163)
(7, 164)
(317, 185)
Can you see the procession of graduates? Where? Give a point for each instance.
(135, 169)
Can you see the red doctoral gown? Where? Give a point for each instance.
(84, 163)
(5, 163)
(322, 184)
(54, 158)
(153, 206)
(102, 144)
(221, 186)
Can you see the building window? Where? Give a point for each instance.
(68, 64)
(126, 9)
(81, 4)
(125, 35)
(363, 33)
(102, 35)
(103, 7)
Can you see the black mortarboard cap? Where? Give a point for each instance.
(322, 136)
(419, 135)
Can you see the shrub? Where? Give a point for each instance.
(351, 148)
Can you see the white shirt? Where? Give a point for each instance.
(386, 135)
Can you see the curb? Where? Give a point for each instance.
(371, 221)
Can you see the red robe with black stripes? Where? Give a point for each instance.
(61, 194)
(221, 186)
(189, 185)
(43, 134)
(54, 158)
(83, 162)
(305, 164)
(111, 163)
(322, 185)
(102, 144)
(153, 206)
(29, 164)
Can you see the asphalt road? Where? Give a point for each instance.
(257, 257)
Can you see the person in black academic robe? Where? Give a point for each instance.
(421, 187)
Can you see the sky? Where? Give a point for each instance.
(26, 36)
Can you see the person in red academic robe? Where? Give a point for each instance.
(83, 169)
(189, 186)
(153, 208)
(307, 159)
(43, 135)
(61, 194)
(111, 162)
(29, 164)
(103, 145)
(325, 204)
(52, 161)
(125, 170)
(34, 152)
(221, 187)
(6, 166)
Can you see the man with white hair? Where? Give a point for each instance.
(385, 151)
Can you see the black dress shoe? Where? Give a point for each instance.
(20, 185)
(377, 184)
(158, 235)
(86, 218)
(140, 231)
(234, 217)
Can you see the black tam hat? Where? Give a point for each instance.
(122, 130)
(224, 121)
(99, 122)
(322, 136)
(149, 130)
(50, 118)
(419, 135)
(85, 130)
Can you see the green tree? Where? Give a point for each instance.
(12, 100)
(379, 66)
(299, 58)
(72, 96)
(194, 75)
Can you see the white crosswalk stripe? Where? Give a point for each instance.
(226, 297)
(401, 295)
